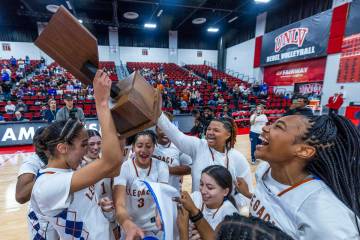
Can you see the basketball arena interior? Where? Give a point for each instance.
(198, 61)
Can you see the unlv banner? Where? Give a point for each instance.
(305, 39)
(350, 53)
(290, 73)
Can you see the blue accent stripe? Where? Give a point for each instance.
(157, 205)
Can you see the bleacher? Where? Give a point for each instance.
(42, 77)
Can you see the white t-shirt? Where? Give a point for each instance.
(32, 164)
(308, 211)
(213, 216)
(260, 122)
(171, 155)
(139, 203)
(203, 156)
(73, 215)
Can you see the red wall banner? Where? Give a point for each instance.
(295, 72)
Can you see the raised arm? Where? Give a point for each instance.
(111, 150)
(186, 144)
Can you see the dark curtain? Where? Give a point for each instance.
(18, 34)
(143, 38)
(294, 11)
(198, 40)
(241, 34)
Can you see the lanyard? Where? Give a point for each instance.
(226, 157)
(289, 188)
(203, 206)
(136, 171)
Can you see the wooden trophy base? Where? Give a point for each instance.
(135, 101)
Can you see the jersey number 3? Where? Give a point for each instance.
(141, 202)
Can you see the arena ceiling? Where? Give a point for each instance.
(167, 14)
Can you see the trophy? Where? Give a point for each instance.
(134, 102)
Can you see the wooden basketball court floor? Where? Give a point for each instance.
(13, 225)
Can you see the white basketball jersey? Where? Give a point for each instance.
(73, 215)
(214, 216)
(172, 156)
(307, 210)
(38, 227)
(103, 189)
(140, 205)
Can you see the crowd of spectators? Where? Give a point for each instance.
(33, 86)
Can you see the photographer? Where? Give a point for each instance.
(69, 111)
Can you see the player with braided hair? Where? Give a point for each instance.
(216, 149)
(237, 227)
(309, 185)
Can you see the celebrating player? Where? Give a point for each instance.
(178, 162)
(66, 198)
(103, 188)
(213, 202)
(135, 208)
(217, 149)
(309, 186)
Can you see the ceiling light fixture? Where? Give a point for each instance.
(159, 13)
(149, 25)
(131, 15)
(52, 8)
(212, 29)
(262, 1)
(199, 20)
(233, 19)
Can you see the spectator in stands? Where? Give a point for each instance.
(299, 106)
(198, 98)
(258, 120)
(21, 65)
(219, 82)
(224, 86)
(69, 111)
(161, 68)
(256, 89)
(207, 117)
(2, 118)
(42, 62)
(2, 94)
(221, 100)
(226, 112)
(13, 61)
(183, 105)
(264, 89)
(236, 95)
(334, 103)
(19, 117)
(10, 108)
(212, 101)
(50, 114)
(5, 74)
(21, 106)
(209, 76)
(27, 60)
